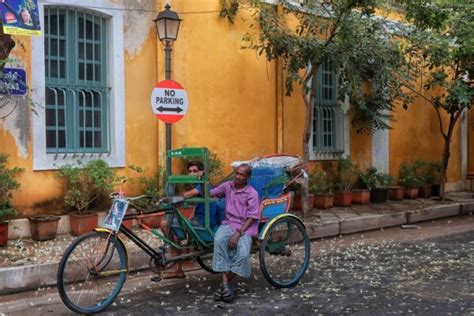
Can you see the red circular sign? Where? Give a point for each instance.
(169, 101)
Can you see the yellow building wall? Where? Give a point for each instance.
(416, 135)
(231, 91)
(361, 149)
(235, 97)
(232, 102)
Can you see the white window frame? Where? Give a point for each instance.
(115, 80)
(342, 134)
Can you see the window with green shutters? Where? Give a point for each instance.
(327, 118)
(76, 92)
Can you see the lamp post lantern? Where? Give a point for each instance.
(167, 27)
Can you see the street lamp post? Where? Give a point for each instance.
(167, 27)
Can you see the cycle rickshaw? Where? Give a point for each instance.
(94, 267)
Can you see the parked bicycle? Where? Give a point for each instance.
(94, 267)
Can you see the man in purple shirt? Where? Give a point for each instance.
(233, 239)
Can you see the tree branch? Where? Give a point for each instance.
(441, 125)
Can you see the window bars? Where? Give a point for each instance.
(77, 97)
(327, 117)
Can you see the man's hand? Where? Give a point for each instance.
(232, 244)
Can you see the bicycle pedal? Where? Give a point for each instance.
(156, 279)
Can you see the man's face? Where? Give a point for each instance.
(194, 171)
(241, 176)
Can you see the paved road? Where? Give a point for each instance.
(429, 270)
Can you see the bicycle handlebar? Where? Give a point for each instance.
(115, 195)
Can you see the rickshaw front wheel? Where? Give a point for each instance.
(91, 272)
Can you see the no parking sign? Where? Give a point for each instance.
(169, 101)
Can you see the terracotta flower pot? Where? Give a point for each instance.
(128, 223)
(410, 193)
(297, 202)
(187, 212)
(424, 191)
(323, 201)
(151, 220)
(82, 223)
(379, 195)
(342, 198)
(361, 196)
(3, 234)
(43, 227)
(396, 193)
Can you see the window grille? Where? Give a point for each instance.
(327, 118)
(77, 111)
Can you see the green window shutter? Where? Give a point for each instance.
(325, 118)
(76, 90)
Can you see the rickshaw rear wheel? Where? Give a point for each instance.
(285, 252)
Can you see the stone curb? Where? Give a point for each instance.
(433, 212)
(372, 222)
(23, 278)
(32, 277)
(467, 208)
(327, 229)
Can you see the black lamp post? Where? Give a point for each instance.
(167, 27)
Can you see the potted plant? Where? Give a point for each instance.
(43, 227)
(319, 185)
(152, 187)
(422, 171)
(409, 179)
(396, 192)
(377, 183)
(345, 180)
(380, 192)
(429, 173)
(364, 184)
(85, 185)
(8, 184)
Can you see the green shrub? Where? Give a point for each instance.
(372, 179)
(319, 182)
(215, 166)
(347, 171)
(428, 172)
(151, 186)
(8, 183)
(409, 175)
(85, 184)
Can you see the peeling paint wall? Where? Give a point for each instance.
(16, 110)
(17, 122)
(137, 24)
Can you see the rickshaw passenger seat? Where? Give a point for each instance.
(269, 184)
(263, 181)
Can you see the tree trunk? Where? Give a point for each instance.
(447, 152)
(308, 101)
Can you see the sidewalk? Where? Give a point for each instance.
(26, 264)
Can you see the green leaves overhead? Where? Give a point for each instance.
(344, 33)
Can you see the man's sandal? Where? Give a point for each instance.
(228, 293)
(218, 294)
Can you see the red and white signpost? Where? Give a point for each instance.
(169, 101)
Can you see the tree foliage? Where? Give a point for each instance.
(440, 55)
(343, 33)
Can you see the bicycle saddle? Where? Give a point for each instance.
(172, 199)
